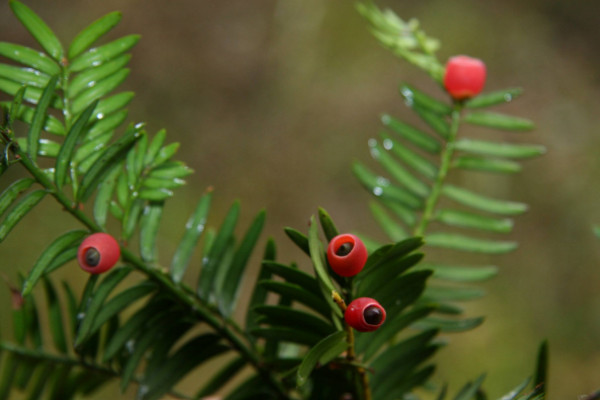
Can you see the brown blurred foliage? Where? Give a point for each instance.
(273, 99)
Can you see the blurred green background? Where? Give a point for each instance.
(273, 99)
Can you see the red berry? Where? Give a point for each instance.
(346, 254)
(464, 77)
(364, 314)
(98, 253)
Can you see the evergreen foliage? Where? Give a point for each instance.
(66, 126)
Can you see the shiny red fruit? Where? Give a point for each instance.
(464, 77)
(364, 314)
(98, 253)
(346, 254)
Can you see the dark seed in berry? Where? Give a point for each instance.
(92, 257)
(344, 249)
(373, 315)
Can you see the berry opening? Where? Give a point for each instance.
(344, 249)
(373, 315)
(92, 257)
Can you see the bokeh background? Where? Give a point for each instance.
(273, 99)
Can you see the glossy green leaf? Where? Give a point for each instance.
(93, 32)
(140, 153)
(403, 357)
(389, 254)
(413, 96)
(194, 229)
(381, 187)
(149, 231)
(292, 318)
(122, 190)
(55, 318)
(221, 378)
(499, 149)
(46, 147)
(396, 170)
(317, 256)
(487, 164)
(10, 194)
(540, 379)
(111, 104)
(436, 122)
(402, 291)
(231, 284)
(153, 310)
(92, 76)
(259, 293)
(99, 55)
(217, 251)
(294, 276)
(596, 230)
(494, 98)
(407, 216)
(104, 195)
(299, 239)
(39, 116)
(120, 302)
(392, 229)
(60, 260)
(371, 344)
(411, 158)
(130, 172)
(196, 351)
(498, 121)
(165, 153)
(12, 110)
(171, 170)
(155, 194)
(131, 218)
(414, 380)
(38, 29)
(512, 395)
(100, 89)
(110, 157)
(316, 353)
(25, 114)
(63, 160)
(91, 147)
(13, 217)
(465, 243)
(449, 325)
(386, 272)
(29, 57)
(327, 224)
(298, 293)
(412, 134)
(58, 246)
(32, 321)
(97, 300)
(465, 219)
(459, 273)
(157, 184)
(24, 76)
(155, 146)
(173, 333)
(483, 203)
(143, 344)
(31, 94)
